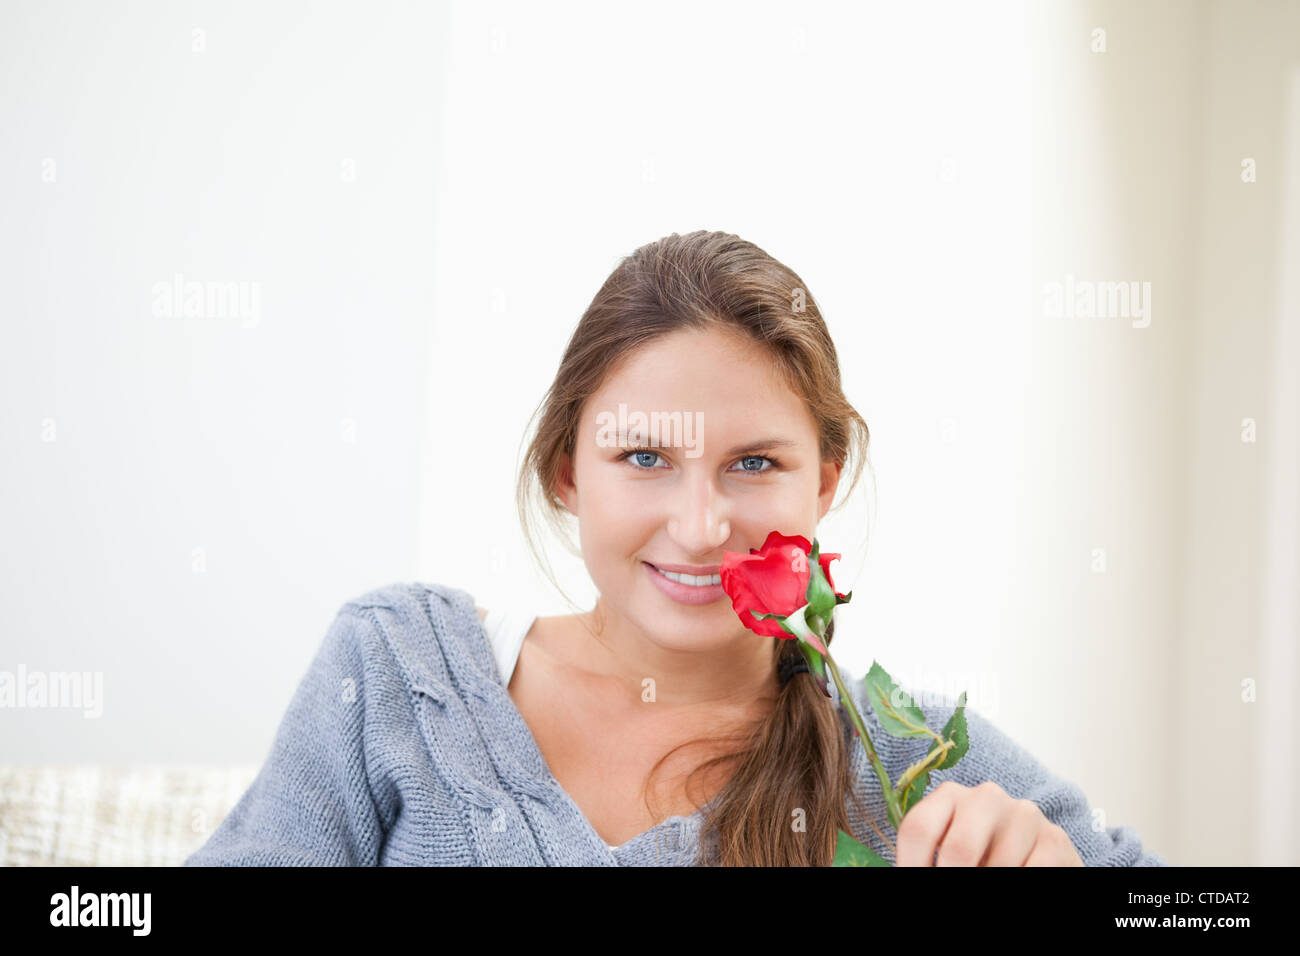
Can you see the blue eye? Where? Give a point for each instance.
(756, 471)
(638, 453)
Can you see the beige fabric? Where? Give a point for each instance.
(110, 816)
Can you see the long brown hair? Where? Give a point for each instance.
(797, 758)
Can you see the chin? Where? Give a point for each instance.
(686, 626)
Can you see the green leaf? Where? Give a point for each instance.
(780, 619)
(913, 793)
(955, 730)
(899, 715)
(849, 852)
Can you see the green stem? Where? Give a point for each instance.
(887, 788)
(924, 765)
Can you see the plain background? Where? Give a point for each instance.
(1062, 515)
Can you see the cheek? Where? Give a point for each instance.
(615, 522)
(789, 514)
(606, 507)
(801, 506)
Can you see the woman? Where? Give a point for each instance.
(697, 407)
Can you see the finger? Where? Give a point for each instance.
(969, 836)
(924, 826)
(1016, 834)
(1053, 848)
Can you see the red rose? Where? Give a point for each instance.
(772, 579)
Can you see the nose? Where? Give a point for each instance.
(698, 521)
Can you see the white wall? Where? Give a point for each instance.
(1237, 783)
(1138, 438)
(223, 433)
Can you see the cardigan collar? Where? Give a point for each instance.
(482, 747)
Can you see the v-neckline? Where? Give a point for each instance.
(515, 715)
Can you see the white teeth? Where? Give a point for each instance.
(694, 580)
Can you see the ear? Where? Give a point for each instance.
(830, 481)
(565, 487)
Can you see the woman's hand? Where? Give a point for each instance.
(980, 826)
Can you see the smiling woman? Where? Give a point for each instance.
(499, 737)
(709, 324)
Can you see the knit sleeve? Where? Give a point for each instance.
(995, 756)
(311, 803)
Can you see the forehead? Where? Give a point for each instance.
(732, 380)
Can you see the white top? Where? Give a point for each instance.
(506, 631)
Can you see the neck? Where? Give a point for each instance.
(736, 675)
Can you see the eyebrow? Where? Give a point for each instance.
(763, 444)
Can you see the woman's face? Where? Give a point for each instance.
(743, 461)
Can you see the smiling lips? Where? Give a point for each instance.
(684, 587)
(689, 573)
